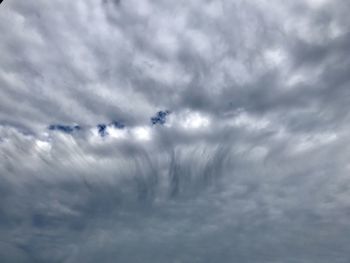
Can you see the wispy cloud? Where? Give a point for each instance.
(174, 131)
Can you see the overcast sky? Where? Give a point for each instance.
(175, 131)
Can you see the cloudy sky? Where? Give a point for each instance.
(175, 131)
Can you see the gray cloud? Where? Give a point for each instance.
(250, 165)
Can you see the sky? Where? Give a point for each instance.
(175, 131)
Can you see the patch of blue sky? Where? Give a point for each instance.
(64, 128)
(160, 117)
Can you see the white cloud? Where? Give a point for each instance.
(117, 133)
(195, 120)
(250, 165)
(142, 133)
(317, 3)
(43, 145)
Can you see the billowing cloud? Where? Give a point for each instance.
(174, 131)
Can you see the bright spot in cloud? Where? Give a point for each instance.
(95, 136)
(42, 145)
(250, 122)
(317, 3)
(117, 133)
(195, 120)
(141, 133)
(312, 141)
(274, 57)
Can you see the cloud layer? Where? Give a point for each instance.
(174, 131)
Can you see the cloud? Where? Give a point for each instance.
(202, 131)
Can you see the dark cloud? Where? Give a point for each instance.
(250, 165)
